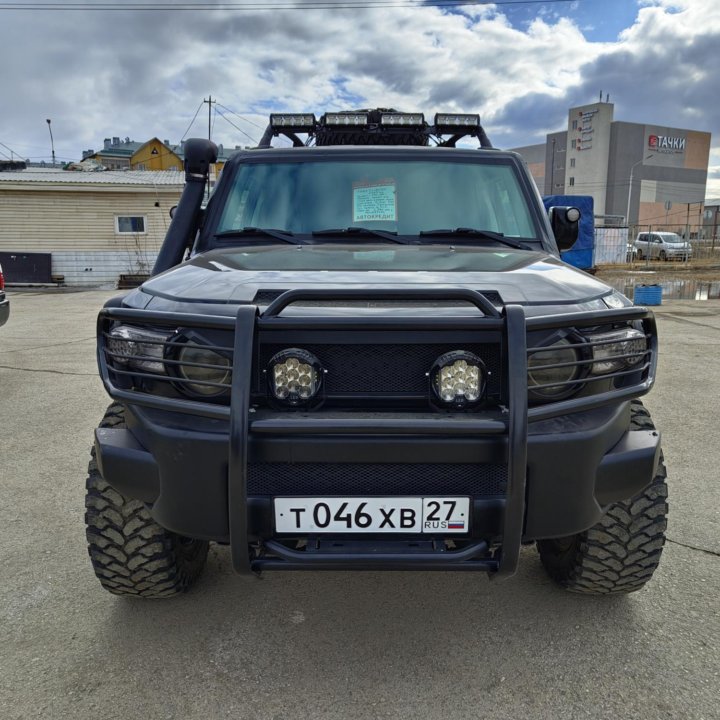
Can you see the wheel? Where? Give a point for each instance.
(620, 553)
(130, 553)
(639, 254)
(663, 255)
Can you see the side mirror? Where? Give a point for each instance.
(565, 224)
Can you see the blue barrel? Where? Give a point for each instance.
(648, 295)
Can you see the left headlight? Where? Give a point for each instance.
(616, 350)
(553, 371)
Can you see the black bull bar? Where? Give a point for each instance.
(511, 322)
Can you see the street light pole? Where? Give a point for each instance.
(632, 170)
(52, 142)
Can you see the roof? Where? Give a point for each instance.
(123, 150)
(56, 176)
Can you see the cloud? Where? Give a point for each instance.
(144, 74)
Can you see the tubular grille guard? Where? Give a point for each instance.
(513, 327)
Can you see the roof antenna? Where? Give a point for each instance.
(601, 96)
(607, 97)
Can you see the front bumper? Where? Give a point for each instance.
(197, 466)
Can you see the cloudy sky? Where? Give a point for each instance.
(141, 73)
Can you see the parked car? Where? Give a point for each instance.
(663, 246)
(4, 302)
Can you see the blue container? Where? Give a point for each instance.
(648, 295)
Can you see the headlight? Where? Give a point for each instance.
(617, 350)
(294, 377)
(457, 379)
(205, 371)
(138, 348)
(551, 369)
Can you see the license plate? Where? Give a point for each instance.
(372, 515)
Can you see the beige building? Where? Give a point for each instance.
(94, 225)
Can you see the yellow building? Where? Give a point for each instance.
(155, 155)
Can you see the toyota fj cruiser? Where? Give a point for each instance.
(366, 353)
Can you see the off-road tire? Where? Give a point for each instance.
(663, 256)
(639, 254)
(620, 553)
(130, 553)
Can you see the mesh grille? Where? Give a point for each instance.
(470, 479)
(384, 368)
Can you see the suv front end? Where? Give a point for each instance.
(385, 392)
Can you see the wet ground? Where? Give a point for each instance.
(685, 284)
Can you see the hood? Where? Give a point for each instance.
(242, 275)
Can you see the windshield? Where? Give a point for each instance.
(399, 196)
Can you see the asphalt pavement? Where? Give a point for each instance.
(339, 645)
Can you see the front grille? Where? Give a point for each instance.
(319, 479)
(394, 369)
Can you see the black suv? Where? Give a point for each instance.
(366, 353)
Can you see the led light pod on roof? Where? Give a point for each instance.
(402, 119)
(297, 122)
(452, 122)
(346, 119)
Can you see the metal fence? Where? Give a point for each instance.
(616, 245)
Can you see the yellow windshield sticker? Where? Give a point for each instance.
(376, 202)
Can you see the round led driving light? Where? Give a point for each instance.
(457, 379)
(198, 365)
(294, 376)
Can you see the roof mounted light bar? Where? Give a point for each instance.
(374, 127)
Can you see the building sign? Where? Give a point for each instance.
(666, 144)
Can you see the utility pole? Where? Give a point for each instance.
(209, 102)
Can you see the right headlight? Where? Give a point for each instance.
(552, 371)
(137, 348)
(204, 371)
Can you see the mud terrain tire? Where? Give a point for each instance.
(130, 553)
(621, 552)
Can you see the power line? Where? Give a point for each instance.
(269, 5)
(12, 152)
(260, 127)
(221, 114)
(193, 120)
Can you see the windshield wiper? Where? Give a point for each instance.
(282, 235)
(479, 234)
(384, 234)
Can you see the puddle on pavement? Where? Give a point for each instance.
(672, 289)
